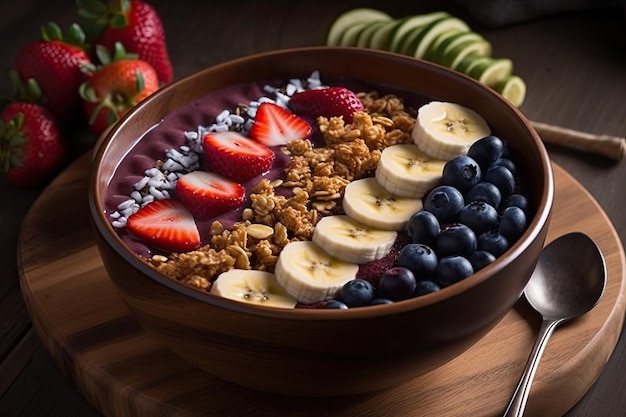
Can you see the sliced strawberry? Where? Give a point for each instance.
(235, 156)
(274, 125)
(207, 194)
(166, 225)
(327, 102)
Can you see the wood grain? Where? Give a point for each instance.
(611, 147)
(123, 371)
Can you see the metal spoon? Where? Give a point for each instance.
(568, 282)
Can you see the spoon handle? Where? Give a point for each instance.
(520, 396)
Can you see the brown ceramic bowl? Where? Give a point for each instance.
(325, 352)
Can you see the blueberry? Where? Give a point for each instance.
(479, 216)
(486, 151)
(517, 200)
(444, 202)
(501, 177)
(506, 162)
(453, 269)
(480, 259)
(335, 304)
(455, 239)
(512, 223)
(420, 259)
(423, 227)
(425, 287)
(461, 172)
(356, 293)
(378, 300)
(493, 242)
(485, 191)
(397, 283)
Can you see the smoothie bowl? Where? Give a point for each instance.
(321, 221)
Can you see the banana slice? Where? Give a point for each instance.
(406, 171)
(254, 287)
(352, 241)
(310, 274)
(367, 202)
(444, 130)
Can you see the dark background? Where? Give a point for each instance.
(572, 55)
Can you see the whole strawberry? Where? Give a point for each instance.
(115, 87)
(136, 25)
(31, 148)
(327, 102)
(48, 71)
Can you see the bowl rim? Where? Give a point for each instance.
(540, 219)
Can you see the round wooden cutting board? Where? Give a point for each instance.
(123, 371)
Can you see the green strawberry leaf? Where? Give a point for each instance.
(16, 124)
(118, 21)
(103, 54)
(111, 117)
(120, 10)
(87, 93)
(51, 32)
(76, 35)
(93, 17)
(33, 91)
(17, 157)
(94, 8)
(12, 141)
(140, 82)
(28, 90)
(120, 52)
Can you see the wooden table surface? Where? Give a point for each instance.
(574, 64)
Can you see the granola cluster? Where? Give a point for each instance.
(288, 209)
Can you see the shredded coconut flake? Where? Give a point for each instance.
(161, 179)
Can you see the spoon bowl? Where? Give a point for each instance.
(568, 281)
(569, 278)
